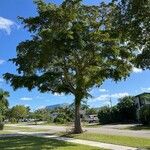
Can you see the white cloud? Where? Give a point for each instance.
(146, 89)
(6, 25)
(40, 107)
(119, 95)
(101, 98)
(58, 94)
(26, 98)
(106, 97)
(137, 70)
(2, 61)
(103, 90)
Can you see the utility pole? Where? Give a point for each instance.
(110, 102)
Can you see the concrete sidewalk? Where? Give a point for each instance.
(84, 142)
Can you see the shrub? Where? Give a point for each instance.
(115, 115)
(61, 118)
(124, 111)
(49, 120)
(104, 115)
(127, 109)
(145, 115)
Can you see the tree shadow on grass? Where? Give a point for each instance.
(139, 127)
(35, 143)
(30, 143)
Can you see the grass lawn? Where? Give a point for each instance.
(114, 139)
(36, 143)
(4, 132)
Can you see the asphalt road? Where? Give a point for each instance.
(107, 129)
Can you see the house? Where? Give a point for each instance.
(140, 101)
(53, 107)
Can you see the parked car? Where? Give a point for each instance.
(92, 119)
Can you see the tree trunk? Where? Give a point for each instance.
(77, 124)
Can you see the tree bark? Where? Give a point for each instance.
(77, 124)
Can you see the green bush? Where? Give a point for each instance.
(127, 109)
(115, 115)
(104, 115)
(109, 115)
(124, 111)
(61, 118)
(49, 120)
(145, 115)
(1, 126)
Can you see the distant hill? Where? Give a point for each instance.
(51, 107)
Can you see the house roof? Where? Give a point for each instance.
(145, 93)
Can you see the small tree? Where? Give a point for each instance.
(41, 115)
(74, 47)
(18, 112)
(91, 111)
(3, 104)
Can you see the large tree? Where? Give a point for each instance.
(133, 20)
(73, 48)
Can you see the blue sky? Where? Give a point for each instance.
(12, 32)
